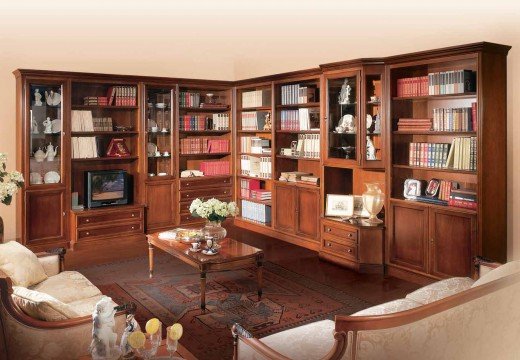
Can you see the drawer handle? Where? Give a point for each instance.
(349, 235)
(225, 192)
(133, 215)
(87, 233)
(87, 220)
(329, 244)
(133, 227)
(349, 250)
(187, 195)
(328, 229)
(187, 184)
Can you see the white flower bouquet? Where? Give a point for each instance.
(10, 181)
(213, 209)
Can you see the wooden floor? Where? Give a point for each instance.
(373, 288)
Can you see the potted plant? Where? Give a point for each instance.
(214, 211)
(10, 182)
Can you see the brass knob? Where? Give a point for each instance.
(329, 244)
(133, 215)
(349, 250)
(187, 184)
(87, 233)
(329, 229)
(87, 220)
(349, 235)
(133, 227)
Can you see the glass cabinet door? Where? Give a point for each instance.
(372, 127)
(342, 115)
(45, 105)
(159, 128)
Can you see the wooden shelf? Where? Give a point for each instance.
(204, 131)
(256, 154)
(435, 206)
(104, 133)
(256, 108)
(297, 106)
(297, 131)
(107, 107)
(204, 109)
(437, 97)
(434, 169)
(436, 133)
(297, 158)
(107, 159)
(253, 222)
(263, 202)
(254, 131)
(298, 184)
(253, 177)
(205, 154)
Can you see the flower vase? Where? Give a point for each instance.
(214, 230)
(373, 201)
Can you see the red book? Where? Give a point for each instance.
(474, 119)
(463, 204)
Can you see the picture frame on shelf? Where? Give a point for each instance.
(339, 205)
(412, 188)
(117, 148)
(359, 208)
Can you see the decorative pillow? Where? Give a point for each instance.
(42, 306)
(68, 286)
(389, 308)
(440, 289)
(500, 272)
(20, 264)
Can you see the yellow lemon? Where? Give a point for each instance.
(175, 331)
(152, 326)
(136, 339)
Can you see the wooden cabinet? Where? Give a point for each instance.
(303, 220)
(358, 247)
(45, 209)
(440, 244)
(160, 205)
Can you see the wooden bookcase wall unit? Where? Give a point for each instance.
(205, 128)
(444, 239)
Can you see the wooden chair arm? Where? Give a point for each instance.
(56, 251)
(480, 261)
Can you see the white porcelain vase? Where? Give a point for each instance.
(373, 200)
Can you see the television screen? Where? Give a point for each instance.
(109, 186)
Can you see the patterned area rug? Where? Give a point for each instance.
(173, 295)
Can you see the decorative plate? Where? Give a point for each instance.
(52, 177)
(151, 148)
(168, 235)
(209, 253)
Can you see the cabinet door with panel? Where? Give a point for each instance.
(308, 213)
(452, 243)
(160, 204)
(409, 236)
(285, 206)
(45, 210)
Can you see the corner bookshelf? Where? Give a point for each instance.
(254, 153)
(446, 238)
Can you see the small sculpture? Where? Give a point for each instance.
(39, 155)
(377, 125)
(344, 95)
(37, 98)
(48, 126)
(131, 326)
(268, 124)
(371, 150)
(103, 345)
(369, 122)
(347, 124)
(51, 152)
(34, 127)
(52, 98)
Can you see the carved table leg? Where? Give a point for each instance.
(203, 290)
(150, 258)
(259, 273)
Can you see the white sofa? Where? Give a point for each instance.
(45, 312)
(457, 318)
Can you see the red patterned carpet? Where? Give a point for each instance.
(288, 300)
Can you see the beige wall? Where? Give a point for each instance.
(238, 39)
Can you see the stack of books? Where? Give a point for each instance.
(414, 86)
(103, 124)
(256, 98)
(414, 125)
(256, 212)
(247, 186)
(253, 120)
(308, 146)
(301, 119)
(254, 145)
(454, 119)
(84, 147)
(220, 121)
(310, 180)
(463, 154)
(122, 96)
(451, 82)
(189, 99)
(95, 100)
(261, 194)
(432, 155)
(254, 166)
(463, 198)
(215, 167)
(292, 176)
(297, 94)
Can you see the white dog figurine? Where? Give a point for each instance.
(104, 338)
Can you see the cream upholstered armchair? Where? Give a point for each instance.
(45, 312)
(457, 318)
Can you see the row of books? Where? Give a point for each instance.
(414, 124)
(463, 198)
(297, 94)
(256, 98)
(455, 119)
(463, 154)
(84, 147)
(254, 145)
(204, 145)
(189, 99)
(255, 166)
(247, 186)
(95, 100)
(81, 120)
(432, 155)
(122, 96)
(219, 121)
(451, 82)
(413, 86)
(301, 119)
(256, 212)
(308, 146)
(215, 167)
(253, 120)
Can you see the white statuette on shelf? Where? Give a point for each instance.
(371, 150)
(52, 98)
(48, 126)
(37, 98)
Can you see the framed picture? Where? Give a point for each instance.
(412, 188)
(339, 205)
(433, 188)
(359, 207)
(117, 148)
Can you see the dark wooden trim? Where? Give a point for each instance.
(57, 251)
(287, 76)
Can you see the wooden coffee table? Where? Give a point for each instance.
(232, 255)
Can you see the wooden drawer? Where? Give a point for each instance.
(109, 217)
(187, 218)
(346, 241)
(345, 250)
(204, 183)
(184, 206)
(107, 231)
(205, 193)
(338, 232)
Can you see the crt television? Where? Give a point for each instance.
(106, 188)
